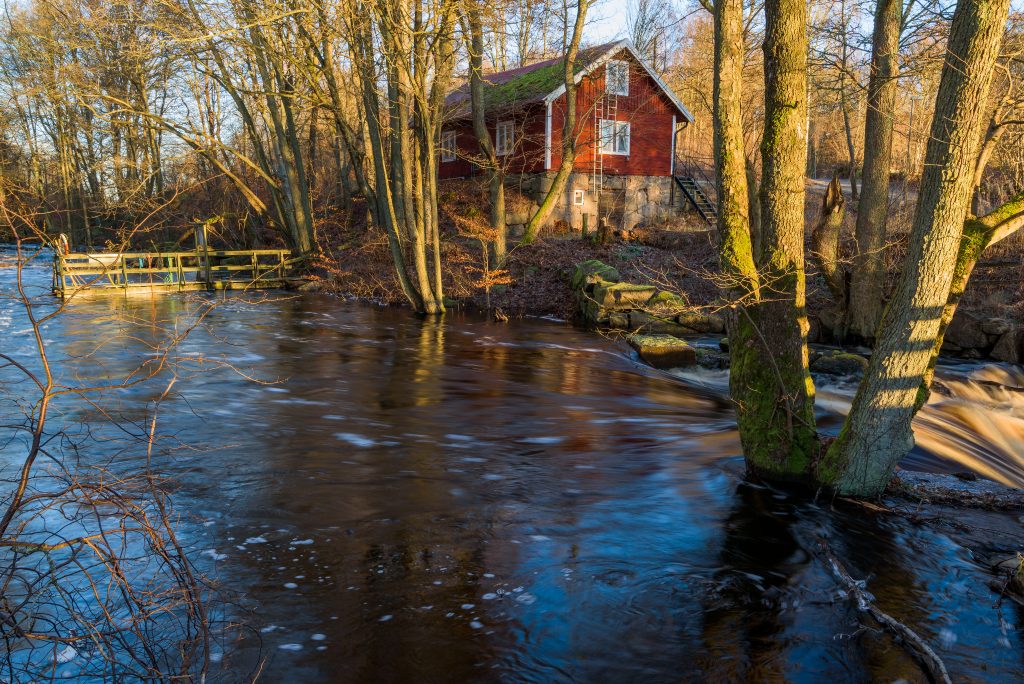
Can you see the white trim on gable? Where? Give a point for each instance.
(547, 138)
(611, 52)
(672, 159)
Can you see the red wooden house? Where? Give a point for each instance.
(626, 129)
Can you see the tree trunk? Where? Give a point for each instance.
(776, 417)
(978, 235)
(496, 180)
(868, 274)
(877, 433)
(561, 178)
(825, 248)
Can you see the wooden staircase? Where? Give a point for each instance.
(697, 197)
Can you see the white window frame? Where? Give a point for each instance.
(611, 66)
(504, 138)
(449, 140)
(610, 137)
(578, 197)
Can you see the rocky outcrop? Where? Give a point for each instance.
(975, 337)
(604, 300)
(1010, 347)
(663, 351)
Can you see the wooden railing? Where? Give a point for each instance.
(202, 269)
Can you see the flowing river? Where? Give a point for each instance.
(384, 498)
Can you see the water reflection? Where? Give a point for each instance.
(459, 500)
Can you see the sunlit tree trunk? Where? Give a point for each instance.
(877, 433)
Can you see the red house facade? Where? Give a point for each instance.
(626, 129)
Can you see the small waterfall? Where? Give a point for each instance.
(974, 419)
(977, 421)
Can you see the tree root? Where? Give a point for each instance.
(922, 652)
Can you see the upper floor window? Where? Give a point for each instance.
(504, 136)
(448, 146)
(616, 77)
(614, 137)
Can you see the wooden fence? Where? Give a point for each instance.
(202, 269)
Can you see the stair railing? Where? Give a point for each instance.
(694, 167)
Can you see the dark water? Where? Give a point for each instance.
(422, 501)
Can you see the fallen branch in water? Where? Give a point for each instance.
(922, 652)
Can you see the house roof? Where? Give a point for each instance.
(544, 81)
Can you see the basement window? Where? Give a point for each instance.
(448, 146)
(616, 77)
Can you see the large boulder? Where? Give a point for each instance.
(1010, 347)
(667, 304)
(663, 351)
(622, 296)
(702, 322)
(591, 272)
(839, 363)
(641, 321)
(994, 327)
(965, 332)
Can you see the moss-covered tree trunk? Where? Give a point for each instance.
(868, 274)
(877, 433)
(769, 380)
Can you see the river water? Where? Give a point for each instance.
(384, 498)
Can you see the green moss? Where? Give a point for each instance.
(775, 444)
(530, 86)
(591, 271)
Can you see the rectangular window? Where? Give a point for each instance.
(448, 146)
(504, 136)
(616, 77)
(614, 137)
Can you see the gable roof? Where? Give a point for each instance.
(544, 81)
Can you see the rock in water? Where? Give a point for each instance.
(663, 351)
(839, 363)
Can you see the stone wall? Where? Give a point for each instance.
(603, 300)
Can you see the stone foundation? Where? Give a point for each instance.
(628, 200)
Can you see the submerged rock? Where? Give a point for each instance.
(712, 358)
(839, 363)
(663, 351)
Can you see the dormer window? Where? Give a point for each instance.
(616, 77)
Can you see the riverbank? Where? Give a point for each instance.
(680, 257)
